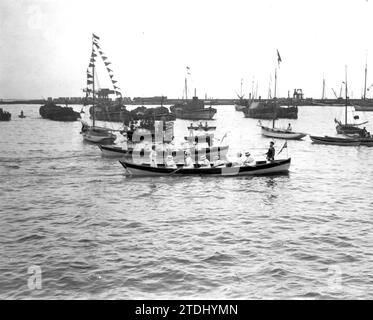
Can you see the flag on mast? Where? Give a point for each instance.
(278, 58)
(188, 70)
(283, 147)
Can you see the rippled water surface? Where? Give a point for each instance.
(96, 233)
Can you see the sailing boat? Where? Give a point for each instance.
(364, 104)
(277, 132)
(347, 128)
(193, 109)
(95, 133)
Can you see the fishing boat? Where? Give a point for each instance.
(335, 141)
(96, 134)
(193, 109)
(55, 112)
(347, 128)
(143, 155)
(260, 168)
(365, 104)
(4, 115)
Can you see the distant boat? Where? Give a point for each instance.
(192, 109)
(335, 141)
(260, 168)
(347, 128)
(21, 115)
(55, 112)
(4, 115)
(364, 106)
(277, 133)
(201, 127)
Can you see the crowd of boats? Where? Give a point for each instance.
(151, 147)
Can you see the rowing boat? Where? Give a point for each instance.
(335, 141)
(260, 168)
(281, 133)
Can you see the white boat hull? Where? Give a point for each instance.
(279, 134)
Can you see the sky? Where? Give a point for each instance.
(45, 46)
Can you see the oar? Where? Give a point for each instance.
(171, 173)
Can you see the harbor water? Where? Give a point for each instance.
(90, 232)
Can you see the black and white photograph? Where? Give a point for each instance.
(186, 150)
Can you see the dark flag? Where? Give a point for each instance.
(89, 75)
(95, 37)
(96, 44)
(111, 76)
(93, 54)
(93, 60)
(109, 70)
(89, 82)
(114, 81)
(103, 57)
(107, 63)
(90, 65)
(188, 70)
(278, 58)
(283, 147)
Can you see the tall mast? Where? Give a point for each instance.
(186, 89)
(241, 88)
(323, 88)
(365, 80)
(346, 95)
(274, 96)
(93, 86)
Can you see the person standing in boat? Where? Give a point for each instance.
(188, 162)
(271, 152)
(249, 161)
(289, 128)
(153, 157)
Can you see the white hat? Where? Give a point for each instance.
(170, 157)
(247, 153)
(216, 157)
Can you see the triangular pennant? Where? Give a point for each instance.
(95, 37)
(96, 44)
(89, 82)
(109, 70)
(93, 54)
(103, 57)
(107, 63)
(91, 65)
(117, 88)
(118, 93)
(114, 81)
(101, 52)
(89, 75)
(111, 75)
(93, 60)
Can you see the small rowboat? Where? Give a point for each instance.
(204, 128)
(261, 168)
(335, 141)
(282, 134)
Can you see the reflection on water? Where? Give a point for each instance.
(96, 233)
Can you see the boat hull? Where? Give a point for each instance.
(335, 141)
(268, 168)
(203, 114)
(282, 134)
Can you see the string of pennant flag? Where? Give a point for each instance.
(96, 46)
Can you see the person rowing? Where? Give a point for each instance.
(249, 161)
(217, 162)
(188, 162)
(204, 162)
(170, 163)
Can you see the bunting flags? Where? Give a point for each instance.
(188, 70)
(90, 78)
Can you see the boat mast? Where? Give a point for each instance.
(323, 88)
(346, 95)
(365, 80)
(186, 89)
(274, 95)
(93, 86)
